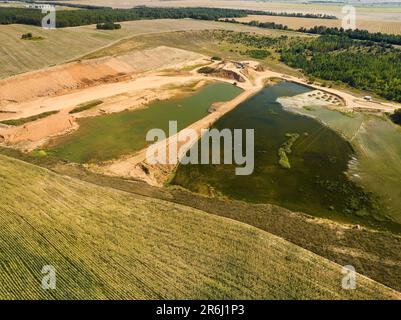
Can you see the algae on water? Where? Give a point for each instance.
(285, 149)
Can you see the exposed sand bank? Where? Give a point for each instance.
(33, 134)
(20, 94)
(310, 99)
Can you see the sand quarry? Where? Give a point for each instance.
(123, 82)
(128, 82)
(65, 78)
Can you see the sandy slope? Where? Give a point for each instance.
(87, 73)
(33, 134)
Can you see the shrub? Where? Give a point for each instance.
(206, 70)
(108, 26)
(396, 116)
(86, 106)
(19, 122)
(258, 53)
(26, 36)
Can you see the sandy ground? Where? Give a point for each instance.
(349, 101)
(19, 93)
(35, 133)
(310, 99)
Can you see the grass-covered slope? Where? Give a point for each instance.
(109, 244)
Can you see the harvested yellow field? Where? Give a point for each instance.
(66, 44)
(378, 13)
(105, 244)
(391, 27)
(374, 19)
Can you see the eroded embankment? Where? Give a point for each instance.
(88, 73)
(32, 134)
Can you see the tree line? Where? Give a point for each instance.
(360, 64)
(355, 34)
(265, 25)
(364, 65)
(73, 18)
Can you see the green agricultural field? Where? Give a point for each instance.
(105, 243)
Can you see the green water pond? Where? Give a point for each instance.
(318, 181)
(110, 136)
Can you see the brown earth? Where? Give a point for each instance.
(61, 79)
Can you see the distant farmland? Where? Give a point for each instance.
(390, 27)
(62, 45)
(105, 243)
